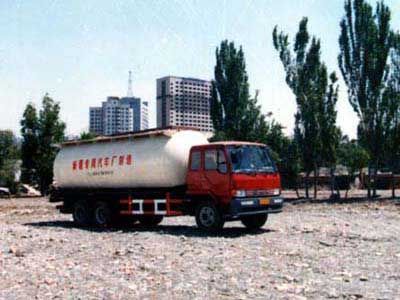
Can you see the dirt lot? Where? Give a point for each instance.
(319, 251)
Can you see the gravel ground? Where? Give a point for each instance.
(319, 251)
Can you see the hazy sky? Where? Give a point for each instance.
(80, 51)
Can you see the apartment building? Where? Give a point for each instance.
(183, 101)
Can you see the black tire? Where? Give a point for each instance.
(82, 214)
(254, 222)
(102, 214)
(150, 221)
(208, 217)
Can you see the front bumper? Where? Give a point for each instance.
(253, 206)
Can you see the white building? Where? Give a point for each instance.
(184, 101)
(112, 117)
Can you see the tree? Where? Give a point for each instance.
(290, 164)
(40, 136)
(8, 159)
(87, 136)
(307, 77)
(50, 133)
(30, 145)
(391, 117)
(365, 43)
(330, 133)
(235, 114)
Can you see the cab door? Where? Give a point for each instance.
(216, 173)
(195, 177)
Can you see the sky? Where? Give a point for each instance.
(80, 52)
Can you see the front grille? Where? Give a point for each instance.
(258, 193)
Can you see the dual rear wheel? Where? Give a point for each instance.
(102, 215)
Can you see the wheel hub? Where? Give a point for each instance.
(101, 216)
(207, 216)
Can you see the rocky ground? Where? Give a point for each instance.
(310, 251)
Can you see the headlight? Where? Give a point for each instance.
(240, 193)
(276, 192)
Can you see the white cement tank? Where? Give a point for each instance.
(142, 160)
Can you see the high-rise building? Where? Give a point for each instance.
(140, 112)
(183, 101)
(96, 120)
(112, 117)
(119, 115)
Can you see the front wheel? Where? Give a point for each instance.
(254, 222)
(209, 218)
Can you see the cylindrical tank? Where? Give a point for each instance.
(158, 159)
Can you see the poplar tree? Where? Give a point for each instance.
(29, 146)
(41, 133)
(236, 115)
(366, 40)
(230, 94)
(330, 133)
(307, 76)
(8, 159)
(391, 117)
(51, 133)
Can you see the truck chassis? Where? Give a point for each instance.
(104, 207)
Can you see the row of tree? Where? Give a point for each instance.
(369, 61)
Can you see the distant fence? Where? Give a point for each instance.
(383, 181)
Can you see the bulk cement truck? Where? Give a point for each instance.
(152, 174)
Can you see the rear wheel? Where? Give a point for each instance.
(254, 222)
(208, 217)
(150, 221)
(81, 213)
(102, 214)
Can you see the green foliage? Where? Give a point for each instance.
(352, 155)
(365, 43)
(41, 134)
(391, 117)
(330, 133)
(316, 134)
(289, 163)
(29, 147)
(231, 101)
(235, 114)
(8, 159)
(87, 136)
(8, 146)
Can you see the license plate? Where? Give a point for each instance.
(264, 201)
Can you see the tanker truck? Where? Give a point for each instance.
(148, 175)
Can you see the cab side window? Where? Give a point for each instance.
(210, 160)
(195, 164)
(222, 165)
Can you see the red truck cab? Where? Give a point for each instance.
(233, 180)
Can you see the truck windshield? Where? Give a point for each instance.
(250, 159)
